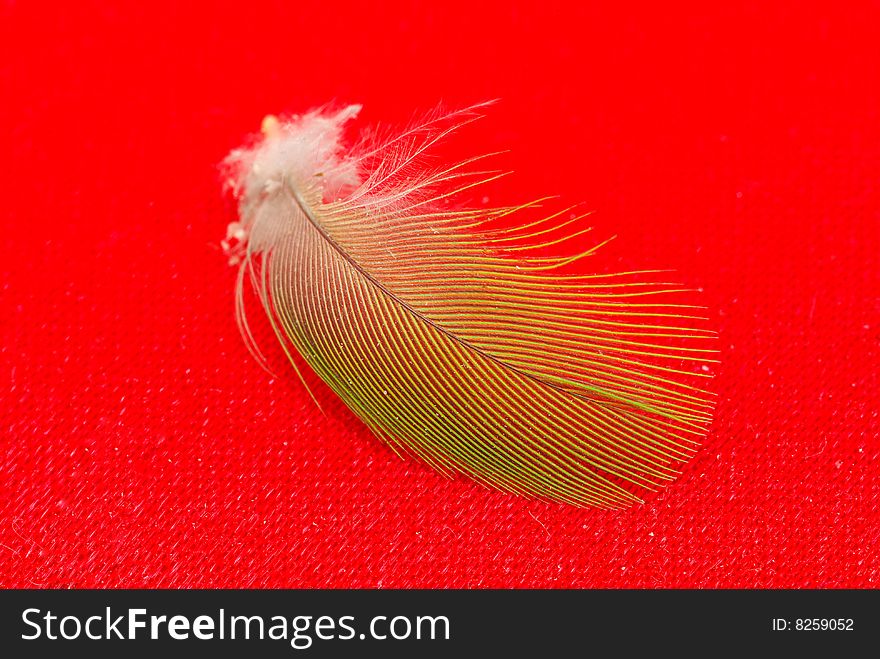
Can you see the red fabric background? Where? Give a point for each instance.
(141, 446)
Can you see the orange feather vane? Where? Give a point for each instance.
(452, 334)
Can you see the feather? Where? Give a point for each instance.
(457, 338)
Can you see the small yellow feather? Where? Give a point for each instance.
(456, 340)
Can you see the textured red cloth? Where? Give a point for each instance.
(141, 446)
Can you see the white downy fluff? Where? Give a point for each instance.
(304, 149)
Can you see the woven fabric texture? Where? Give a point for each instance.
(141, 445)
